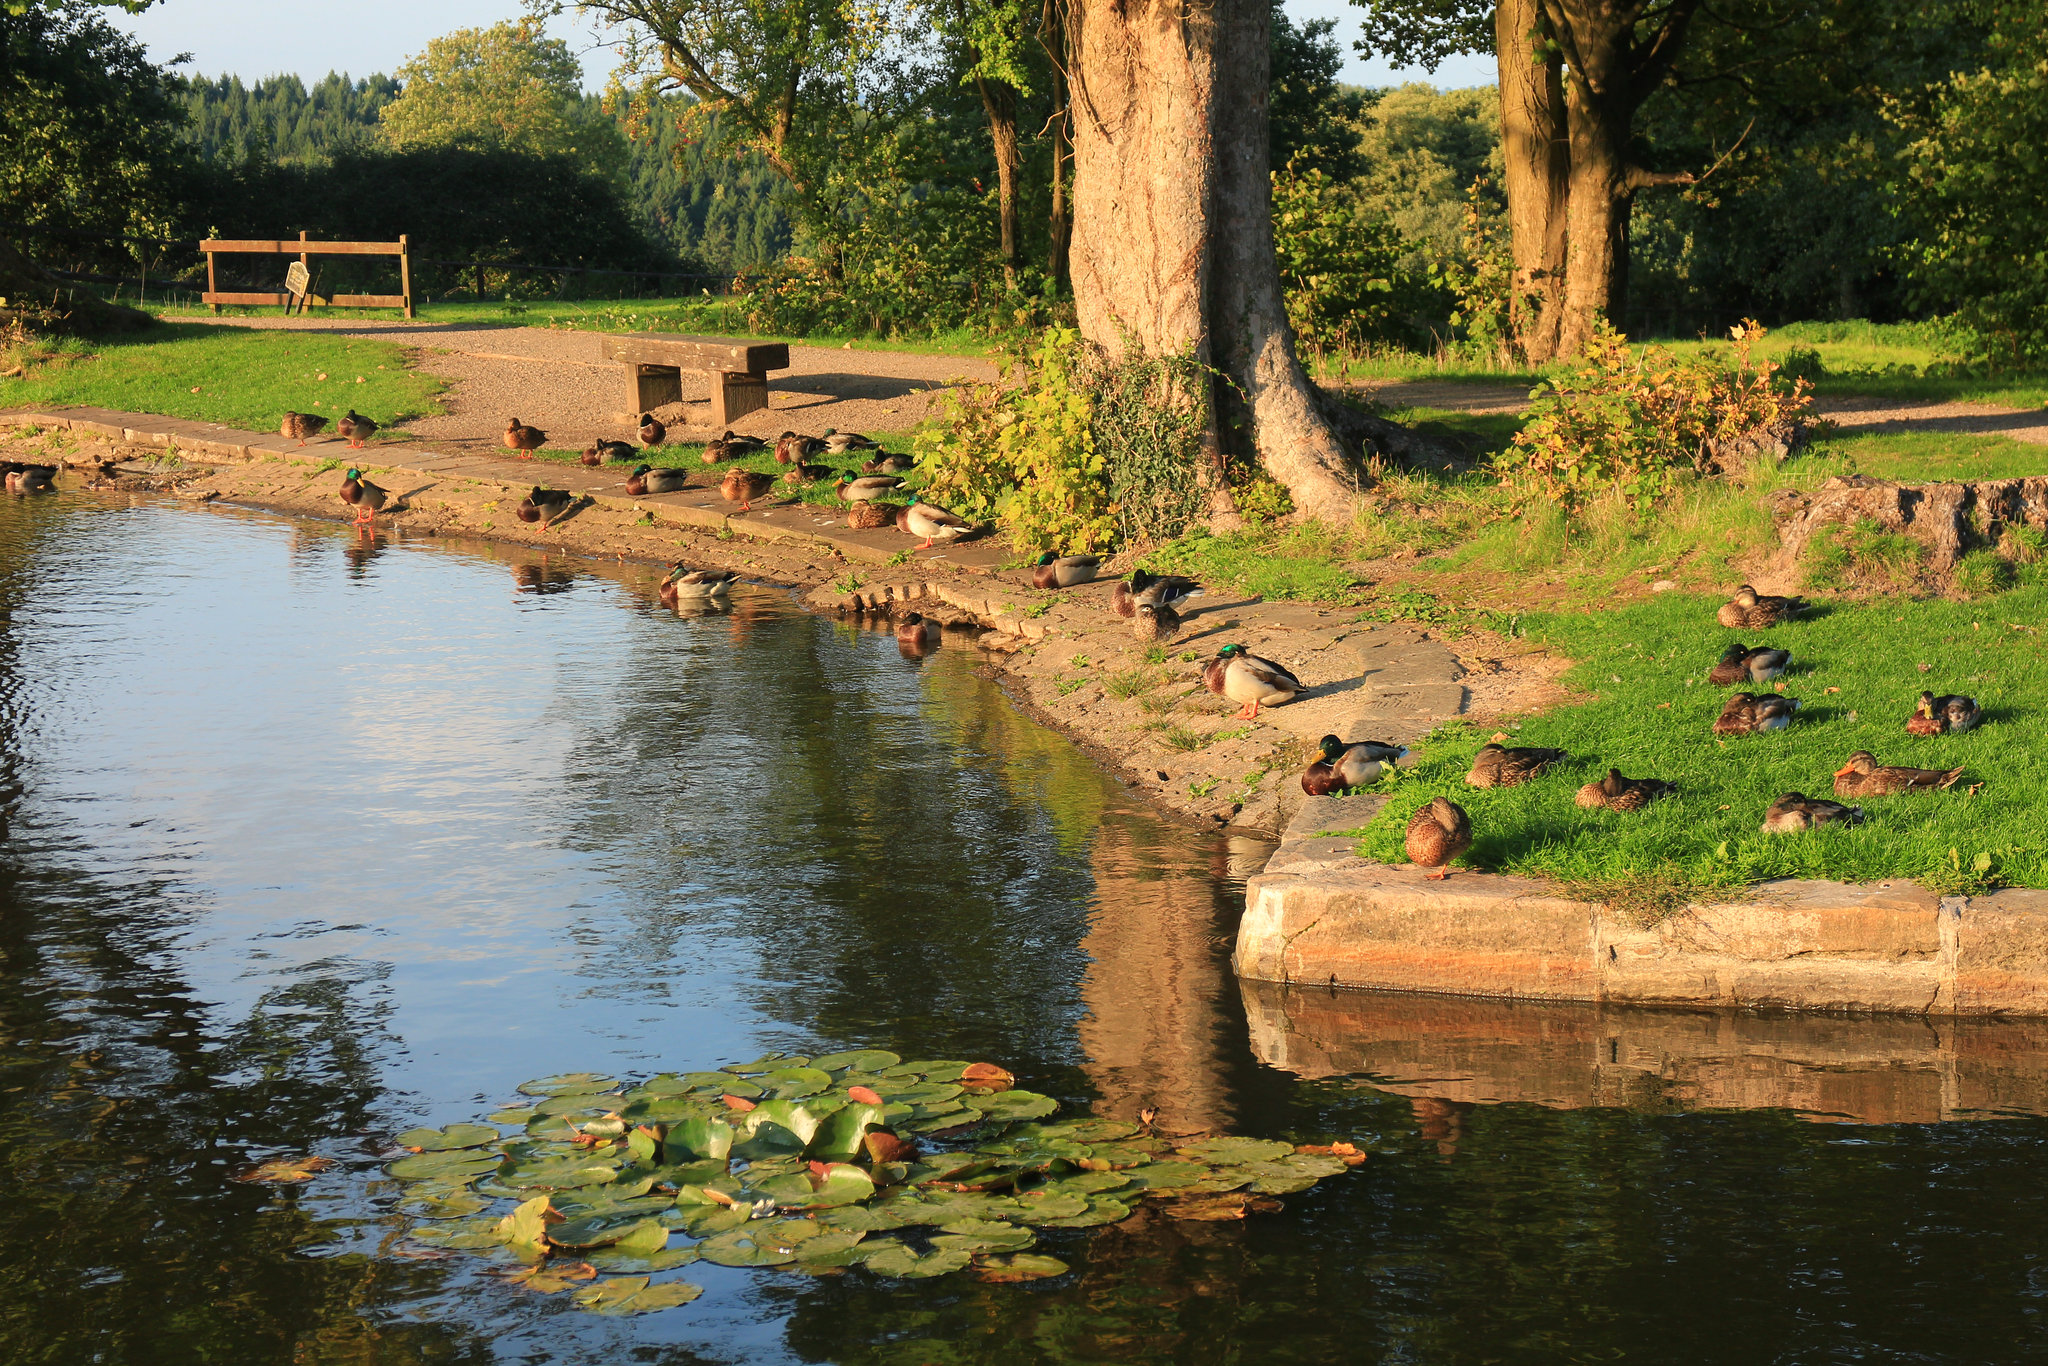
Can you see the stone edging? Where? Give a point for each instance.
(1319, 915)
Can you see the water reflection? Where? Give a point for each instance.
(1447, 1052)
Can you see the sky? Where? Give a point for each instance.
(254, 38)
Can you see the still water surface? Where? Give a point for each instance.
(311, 839)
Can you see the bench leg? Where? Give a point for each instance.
(734, 394)
(650, 386)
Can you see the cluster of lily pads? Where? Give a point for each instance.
(910, 1169)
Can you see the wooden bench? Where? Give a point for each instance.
(655, 365)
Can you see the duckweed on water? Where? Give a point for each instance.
(909, 1169)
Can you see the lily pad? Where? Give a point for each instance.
(792, 1083)
(1023, 1266)
(576, 1103)
(514, 1115)
(954, 1117)
(704, 1221)
(464, 1234)
(664, 1110)
(839, 1136)
(527, 1223)
(763, 1242)
(612, 1259)
(1102, 1209)
(859, 1060)
(449, 1166)
(562, 1174)
(1237, 1150)
(551, 1278)
(1091, 1183)
(984, 1235)
(899, 1260)
(459, 1204)
(700, 1138)
(567, 1083)
(1015, 1105)
(453, 1137)
(841, 1184)
(1165, 1176)
(864, 1219)
(623, 1295)
(1037, 1207)
(604, 1230)
(765, 1064)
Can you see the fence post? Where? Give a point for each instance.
(211, 286)
(405, 271)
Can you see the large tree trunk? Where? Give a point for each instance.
(999, 101)
(1052, 32)
(1173, 246)
(1596, 259)
(1536, 144)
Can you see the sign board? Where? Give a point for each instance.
(297, 279)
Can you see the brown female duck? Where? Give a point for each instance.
(1165, 590)
(1438, 833)
(1755, 713)
(1155, 622)
(1496, 765)
(914, 629)
(1864, 776)
(1740, 664)
(1947, 715)
(1616, 793)
(1750, 610)
(870, 516)
(744, 486)
(524, 439)
(299, 426)
(1795, 811)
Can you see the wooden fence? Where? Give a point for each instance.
(402, 249)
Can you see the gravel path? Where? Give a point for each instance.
(555, 380)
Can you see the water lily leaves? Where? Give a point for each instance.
(576, 1103)
(836, 1248)
(286, 1171)
(763, 1242)
(984, 1235)
(1037, 1207)
(912, 1091)
(700, 1138)
(1013, 1105)
(765, 1064)
(450, 1138)
(1024, 1266)
(865, 1219)
(839, 1184)
(859, 1060)
(1090, 1183)
(448, 1166)
(703, 1221)
(623, 1295)
(1236, 1150)
(898, 1259)
(559, 1174)
(465, 1234)
(949, 1115)
(457, 1204)
(840, 1135)
(549, 1278)
(944, 1207)
(612, 1259)
(528, 1223)
(784, 1188)
(1102, 1209)
(774, 1128)
(791, 1083)
(518, 1114)
(663, 1110)
(602, 1230)
(567, 1084)
(948, 1069)
(1164, 1176)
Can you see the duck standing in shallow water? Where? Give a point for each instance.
(1864, 776)
(1752, 611)
(1496, 765)
(524, 439)
(1054, 570)
(31, 478)
(1245, 678)
(1740, 664)
(1616, 793)
(1795, 811)
(915, 630)
(1343, 765)
(685, 582)
(1438, 833)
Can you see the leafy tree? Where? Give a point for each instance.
(1314, 119)
(281, 119)
(504, 86)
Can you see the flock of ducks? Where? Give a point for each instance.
(1441, 830)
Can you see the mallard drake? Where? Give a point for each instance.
(685, 582)
(1755, 713)
(1864, 776)
(793, 447)
(1748, 610)
(1064, 571)
(1617, 793)
(890, 464)
(1155, 622)
(1168, 590)
(524, 439)
(355, 429)
(1740, 664)
(913, 629)
(366, 498)
(1943, 715)
(867, 488)
(934, 524)
(801, 473)
(646, 479)
(653, 431)
(745, 445)
(1795, 811)
(23, 478)
(870, 516)
(1497, 765)
(299, 426)
(545, 505)
(839, 443)
(609, 453)
(1438, 833)
(1343, 765)
(744, 486)
(1247, 679)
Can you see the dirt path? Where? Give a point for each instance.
(1851, 412)
(556, 381)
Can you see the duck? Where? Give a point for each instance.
(1752, 611)
(22, 478)
(366, 498)
(792, 447)
(653, 431)
(745, 445)
(801, 473)
(1155, 622)
(867, 488)
(545, 505)
(934, 524)
(1168, 590)
(744, 486)
(914, 630)
(1864, 776)
(524, 439)
(718, 449)
(870, 516)
(1950, 715)
(1755, 713)
(890, 464)
(301, 425)
(608, 453)
(1617, 793)
(1342, 765)
(1438, 833)
(1055, 570)
(1740, 664)
(646, 479)
(685, 582)
(1795, 811)
(1498, 765)
(356, 429)
(1245, 678)
(839, 443)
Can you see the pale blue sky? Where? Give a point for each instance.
(254, 38)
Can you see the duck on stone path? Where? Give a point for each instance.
(1438, 833)
(646, 479)
(1055, 570)
(870, 516)
(1243, 677)
(1168, 590)
(544, 505)
(744, 486)
(934, 524)
(868, 487)
(355, 429)
(301, 426)
(524, 439)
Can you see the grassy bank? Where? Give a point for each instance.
(1856, 670)
(688, 455)
(237, 376)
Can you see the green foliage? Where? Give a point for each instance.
(1312, 120)
(1862, 554)
(1636, 420)
(506, 86)
(1149, 418)
(1340, 268)
(1431, 157)
(280, 119)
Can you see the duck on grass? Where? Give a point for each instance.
(1952, 807)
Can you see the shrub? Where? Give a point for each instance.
(1341, 268)
(1637, 421)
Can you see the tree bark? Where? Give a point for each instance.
(999, 101)
(1173, 246)
(1535, 142)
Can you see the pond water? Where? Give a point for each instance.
(311, 839)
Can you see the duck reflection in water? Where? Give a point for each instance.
(916, 636)
(543, 578)
(366, 547)
(1442, 1122)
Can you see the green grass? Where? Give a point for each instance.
(243, 378)
(1651, 712)
(1911, 456)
